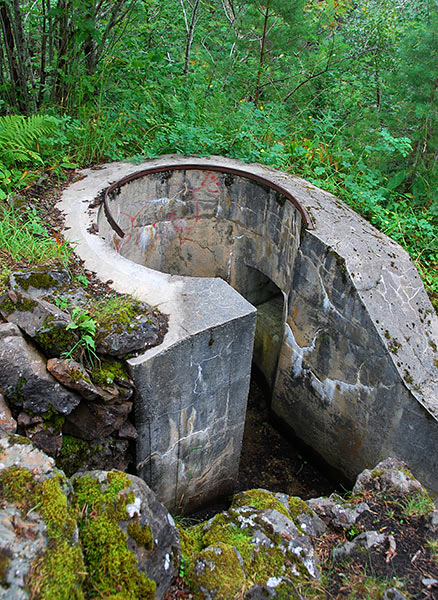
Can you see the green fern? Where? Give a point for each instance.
(19, 137)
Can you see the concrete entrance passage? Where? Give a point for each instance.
(346, 336)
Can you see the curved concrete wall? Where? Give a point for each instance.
(205, 224)
(357, 377)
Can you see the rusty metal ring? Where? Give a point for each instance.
(194, 167)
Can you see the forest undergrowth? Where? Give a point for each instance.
(342, 93)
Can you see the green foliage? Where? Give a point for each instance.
(86, 328)
(342, 93)
(20, 137)
(419, 504)
(24, 238)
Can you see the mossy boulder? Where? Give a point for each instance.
(40, 320)
(131, 327)
(390, 475)
(129, 537)
(217, 573)
(39, 547)
(104, 536)
(38, 282)
(258, 532)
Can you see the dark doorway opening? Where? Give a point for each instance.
(269, 300)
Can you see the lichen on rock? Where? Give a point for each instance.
(39, 534)
(259, 530)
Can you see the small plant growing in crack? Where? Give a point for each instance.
(86, 327)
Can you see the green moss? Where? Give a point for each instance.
(376, 473)
(407, 473)
(74, 452)
(16, 484)
(19, 439)
(222, 573)
(433, 345)
(191, 539)
(110, 563)
(54, 509)
(298, 507)
(35, 279)
(77, 375)
(285, 591)
(268, 561)
(227, 530)
(115, 315)
(4, 563)
(55, 340)
(4, 278)
(16, 396)
(98, 495)
(142, 535)
(22, 304)
(52, 418)
(104, 543)
(107, 372)
(222, 529)
(261, 500)
(58, 575)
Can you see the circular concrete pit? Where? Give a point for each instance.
(334, 298)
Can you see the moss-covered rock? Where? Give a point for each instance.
(40, 528)
(260, 499)
(125, 540)
(54, 338)
(126, 536)
(126, 326)
(217, 573)
(39, 280)
(265, 540)
(24, 377)
(109, 371)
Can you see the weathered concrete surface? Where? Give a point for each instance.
(194, 436)
(357, 375)
(183, 403)
(269, 337)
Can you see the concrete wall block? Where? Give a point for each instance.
(203, 380)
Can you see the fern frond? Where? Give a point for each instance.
(19, 136)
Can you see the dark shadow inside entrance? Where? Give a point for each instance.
(270, 303)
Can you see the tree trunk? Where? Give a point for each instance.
(189, 41)
(262, 56)
(19, 93)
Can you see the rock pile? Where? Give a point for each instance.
(62, 381)
(104, 534)
(381, 542)
(101, 534)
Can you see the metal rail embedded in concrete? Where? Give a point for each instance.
(346, 334)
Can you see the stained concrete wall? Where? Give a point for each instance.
(206, 224)
(357, 375)
(191, 391)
